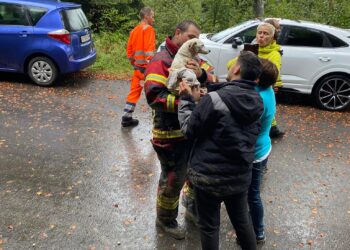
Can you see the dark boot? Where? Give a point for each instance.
(275, 132)
(261, 238)
(172, 228)
(129, 122)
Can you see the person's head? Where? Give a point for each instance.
(276, 23)
(269, 74)
(185, 31)
(264, 34)
(247, 67)
(147, 15)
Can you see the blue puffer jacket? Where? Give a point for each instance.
(224, 126)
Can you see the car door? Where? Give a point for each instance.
(306, 52)
(15, 35)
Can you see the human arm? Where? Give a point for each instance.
(194, 119)
(276, 59)
(231, 63)
(203, 71)
(130, 50)
(157, 94)
(149, 39)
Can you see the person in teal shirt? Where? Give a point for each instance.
(263, 145)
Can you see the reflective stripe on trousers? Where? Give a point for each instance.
(134, 93)
(173, 162)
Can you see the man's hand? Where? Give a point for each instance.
(203, 91)
(194, 65)
(184, 88)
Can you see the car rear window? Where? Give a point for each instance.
(303, 36)
(36, 14)
(74, 19)
(336, 42)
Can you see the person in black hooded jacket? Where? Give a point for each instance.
(224, 126)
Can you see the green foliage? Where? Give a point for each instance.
(332, 12)
(112, 15)
(168, 13)
(212, 14)
(111, 55)
(113, 20)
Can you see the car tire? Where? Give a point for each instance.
(42, 71)
(333, 93)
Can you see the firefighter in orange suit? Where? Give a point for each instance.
(140, 50)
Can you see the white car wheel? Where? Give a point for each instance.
(333, 93)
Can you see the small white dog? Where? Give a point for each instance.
(178, 71)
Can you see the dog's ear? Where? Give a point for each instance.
(193, 48)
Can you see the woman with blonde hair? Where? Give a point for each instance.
(268, 49)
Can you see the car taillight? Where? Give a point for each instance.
(60, 35)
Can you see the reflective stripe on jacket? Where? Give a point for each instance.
(141, 45)
(166, 125)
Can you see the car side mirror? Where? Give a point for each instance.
(236, 42)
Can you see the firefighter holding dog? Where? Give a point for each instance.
(171, 146)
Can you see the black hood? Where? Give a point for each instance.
(242, 99)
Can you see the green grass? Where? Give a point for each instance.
(111, 54)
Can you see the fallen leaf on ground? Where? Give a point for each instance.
(322, 235)
(127, 222)
(231, 234)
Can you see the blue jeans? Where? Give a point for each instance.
(256, 207)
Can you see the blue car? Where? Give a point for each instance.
(44, 39)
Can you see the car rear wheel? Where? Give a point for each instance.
(42, 71)
(333, 93)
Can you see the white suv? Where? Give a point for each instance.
(315, 60)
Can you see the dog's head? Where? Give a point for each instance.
(194, 47)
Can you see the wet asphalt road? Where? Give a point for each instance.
(72, 178)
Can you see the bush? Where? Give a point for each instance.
(113, 20)
(111, 54)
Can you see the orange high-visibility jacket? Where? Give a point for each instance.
(141, 45)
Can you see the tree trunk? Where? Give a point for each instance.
(331, 5)
(258, 8)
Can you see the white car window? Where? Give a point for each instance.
(335, 41)
(227, 32)
(247, 35)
